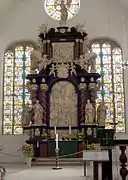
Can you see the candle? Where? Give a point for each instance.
(56, 141)
(55, 129)
(70, 130)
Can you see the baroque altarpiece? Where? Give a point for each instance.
(63, 85)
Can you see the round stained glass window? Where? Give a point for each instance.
(53, 8)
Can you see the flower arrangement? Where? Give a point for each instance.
(80, 136)
(27, 150)
(92, 146)
(45, 136)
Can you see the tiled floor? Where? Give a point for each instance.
(19, 172)
(46, 173)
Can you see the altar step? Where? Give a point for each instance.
(62, 162)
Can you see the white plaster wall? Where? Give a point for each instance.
(10, 145)
(103, 19)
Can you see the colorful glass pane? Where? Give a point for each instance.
(16, 67)
(109, 65)
(54, 7)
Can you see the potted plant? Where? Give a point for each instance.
(28, 152)
(45, 136)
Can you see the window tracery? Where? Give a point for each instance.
(109, 65)
(15, 93)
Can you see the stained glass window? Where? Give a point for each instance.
(54, 8)
(109, 65)
(15, 94)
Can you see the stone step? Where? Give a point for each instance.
(62, 162)
(61, 159)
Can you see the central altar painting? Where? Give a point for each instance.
(63, 104)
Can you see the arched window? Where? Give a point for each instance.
(109, 65)
(15, 94)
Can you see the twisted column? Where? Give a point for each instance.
(77, 49)
(44, 88)
(123, 161)
(33, 87)
(82, 88)
(48, 48)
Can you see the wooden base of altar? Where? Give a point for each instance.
(67, 148)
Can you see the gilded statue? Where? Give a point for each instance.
(89, 113)
(27, 115)
(101, 113)
(38, 113)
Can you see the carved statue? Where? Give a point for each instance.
(28, 85)
(101, 113)
(62, 70)
(38, 113)
(43, 62)
(93, 57)
(90, 59)
(89, 113)
(79, 28)
(85, 45)
(27, 115)
(64, 13)
(72, 68)
(43, 29)
(52, 70)
(35, 58)
(83, 62)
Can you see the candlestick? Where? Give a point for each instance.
(57, 141)
(70, 130)
(55, 129)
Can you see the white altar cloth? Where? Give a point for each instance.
(95, 155)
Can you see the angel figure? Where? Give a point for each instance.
(72, 68)
(84, 62)
(52, 70)
(35, 58)
(43, 63)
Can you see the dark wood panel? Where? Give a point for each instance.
(43, 149)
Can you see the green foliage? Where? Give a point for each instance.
(45, 136)
(27, 150)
